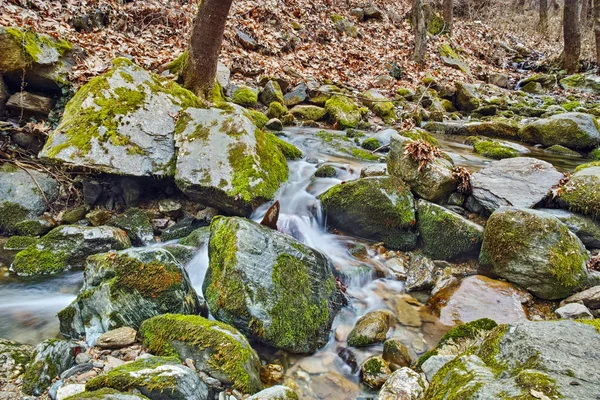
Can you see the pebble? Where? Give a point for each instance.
(98, 364)
(117, 338)
(111, 363)
(86, 376)
(77, 369)
(82, 358)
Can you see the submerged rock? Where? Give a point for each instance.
(226, 162)
(269, 286)
(573, 130)
(217, 349)
(581, 193)
(536, 251)
(126, 288)
(380, 208)
(371, 328)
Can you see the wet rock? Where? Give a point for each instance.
(380, 208)
(50, 359)
(536, 251)
(586, 83)
(589, 298)
(137, 225)
(396, 354)
(573, 311)
(197, 238)
(275, 393)
(67, 247)
(156, 378)
(14, 358)
(308, 113)
(247, 170)
(375, 371)
(477, 297)
(585, 228)
(216, 349)
(467, 98)
(98, 217)
(403, 384)
(74, 215)
(421, 274)
(296, 96)
(206, 215)
(274, 124)
(573, 130)
(562, 151)
(373, 170)
(371, 328)
(272, 93)
(445, 234)
(271, 374)
(581, 193)
(126, 288)
(339, 145)
(496, 149)
(435, 182)
(550, 358)
(117, 338)
(20, 196)
(121, 122)
(179, 230)
(35, 227)
(297, 298)
(30, 104)
(407, 310)
(517, 182)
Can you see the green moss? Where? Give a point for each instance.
(33, 44)
(373, 366)
(345, 145)
(344, 111)
(308, 113)
(539, 381)
(581, 194)
(370, 144)
(593, 322)
(10, 215)
(325, 171)
(490, 348)
(19, 242)
(452, 382)
(197, 238)
(570, 105)
(177, 65)
(32, 227)
(290, 151)
(259, 118)
(246, 97)
(38, 376)
(101, 394)
(66, 317)
(33, 261)
(587, 165)
(276, 110)
(492, 149)
(595, 154)
(566, 267)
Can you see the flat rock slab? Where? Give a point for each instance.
(519, 182)
(117, 338)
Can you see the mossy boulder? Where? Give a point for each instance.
(137, 225)
(378, 208)
(271, 93)
(308, 113)
(121, 122)
(573, 130)
(23, 194)
(467, 98)
(217, 349)
(158, 378)
(586, 83)
(322, 94)
(496, 149)
(445, 234)
(434, 182)
(562, 151)
(35, 227)
(337, 144)
(247, 169)
(581, 193)
(380, 105)
(526, 360)
(344, 111)
(269, 286)
(495, 128)
(106, 394)
(375, 371)
(197, 238)
(126, 288)
(49, 359)
(14, 358)
(371, 328)
(452, 59)
(536, 251)
(19, 243)
(67, 247)
(244, 96)
(585, 228)
(326, 171)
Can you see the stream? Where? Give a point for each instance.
(28, 306)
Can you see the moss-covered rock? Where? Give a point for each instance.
(308, 113)
(271, 93)
(126, 288)
(495, 128)
(573, 130)
(536, 251)
(371, 328)
(158, 378)
(587, 83)
(276, 110)
(452, 59)
(343, 111)
(106, 394)
(375, 371)
(244, 96)
(445, 234)
(379, 208)
(35, 227)
(217, 349)
(19, 242)
(562, 151)
(326, 171)
(492, 148)
(121, 122)
(245, 172)
(381, 106)
(581, 193)
(137, 225)
(370, 144)
(197, 238)
(15, 358)
(420, 134)
(338, 144)
(269, 286)
(258, 118)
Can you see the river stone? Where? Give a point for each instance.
(573, 311)
(126, 288)
(296, 96)
(518, 182)
(67, 391)
(117, 338)
(445, 234)
(107, 394)
(467, 98)
(420, 274)
(435, 182)
(271, 287)
(433, 364)
(217, 349)
(50, 359)
(344, 111)
(308, 112)
(403, 384)
(275, 393)
(573, 130)
(551, 358)
(337, 144)
(14, 357)
(20, 196)
(121, 122)
(396, 353)
(67, 247)
(581, 193)
(589, 298)
(371, 328)
(586, 229)
(375, 371)
(477, 297)
(586, 83)
(158, 378)
(137, 225)
(379, 208)
(246, 170)
(271, 93)
(536, 251)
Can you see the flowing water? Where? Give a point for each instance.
(28, 306)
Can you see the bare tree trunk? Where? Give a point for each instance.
(543, 25)
(584, 12)
(419, 30)
(597, 28)
(572, 36)
(205, 45)
(448, 14)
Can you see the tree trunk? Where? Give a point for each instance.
(597, 28)
(572, 36)
(448, 14)
(543, 26)
(204, 47)
(584, 12)
(420, 31)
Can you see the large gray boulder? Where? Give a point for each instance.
(586, 229)
(121, 122)
(269, 286)
(581, 193)
(23, 195)
(224, 161)
(517, 182)
(67, 247)
(573, 130)
(378, 208)
(126, 288)
(553, 359)
(536, 251)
